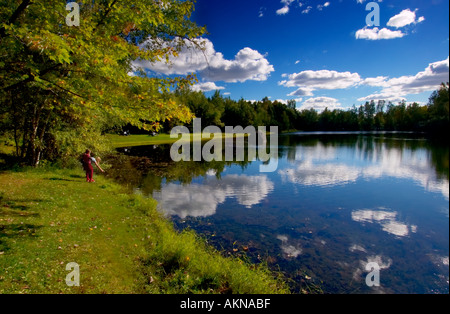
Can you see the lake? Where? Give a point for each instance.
(337, 202)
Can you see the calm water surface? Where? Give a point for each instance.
(336, 203)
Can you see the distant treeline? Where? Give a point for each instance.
(371, 116)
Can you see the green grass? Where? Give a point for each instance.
(51, 217)
(142, 140)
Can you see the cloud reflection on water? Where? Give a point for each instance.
(360, 271)
(328, 166)
(290, 250)
(387, 219)
(201, 200)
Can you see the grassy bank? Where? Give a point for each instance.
(49, 218)
(118, 141)
(139, 140)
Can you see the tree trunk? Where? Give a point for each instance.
(39, 149)
(31, 157)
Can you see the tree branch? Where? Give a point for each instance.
(31, 78)
(102, 19)
(15, 15)
(64, 89)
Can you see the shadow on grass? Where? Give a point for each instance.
(75, 176)
(10, 208)
(12, 232)
(61, 179)
(12, 202)
(16, 211)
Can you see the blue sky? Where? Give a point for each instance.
(320, 53)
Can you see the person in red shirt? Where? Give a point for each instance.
(87, 165)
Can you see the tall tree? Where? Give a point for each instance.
(438, 107)
(55, 77)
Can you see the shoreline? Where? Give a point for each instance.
(51, 217)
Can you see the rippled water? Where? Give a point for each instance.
(336, 203)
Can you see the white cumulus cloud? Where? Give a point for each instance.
(377, 34)
(309, 81)
(391, 89)
(395, 89)
(285, 8)
(248, 64)
(320, 103)
(321, 6)
(306, 11)
(206, 87)
(302, 91)
(404, 18)
(199, 56)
